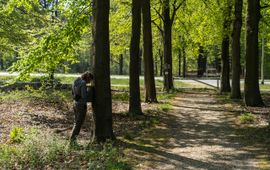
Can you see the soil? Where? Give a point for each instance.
(202, 131)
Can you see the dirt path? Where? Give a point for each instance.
(200, 133)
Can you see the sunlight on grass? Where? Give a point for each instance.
(40, 150)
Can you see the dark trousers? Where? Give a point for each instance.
(80, 112)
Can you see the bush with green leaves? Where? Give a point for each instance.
(17, 135)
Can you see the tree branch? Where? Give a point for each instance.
(159, 14)
(265, 6)
(158, 26)
(175, 9)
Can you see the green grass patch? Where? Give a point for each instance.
(247, 118)
(43, 151)
(51, 96)
(165, 107)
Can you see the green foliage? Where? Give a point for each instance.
(107, 157)
(247, 118)
(165, 107)
(17, 135)
(42, 150)
(34, 152)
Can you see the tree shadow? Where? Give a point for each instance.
(196, 135)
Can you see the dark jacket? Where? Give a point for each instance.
(79, 88)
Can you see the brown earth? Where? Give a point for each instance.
(202, 132)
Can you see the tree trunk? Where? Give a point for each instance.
(161, 62)
(201, 62)
(236, 50)
(156, 65)
(134, 80)
(225, 61)
(184, 63)
(167, 38)
(93, 51)
(262, 61)
(2, 64)
(149, 77)
(179, 62)
(140, 62)
(252, 90)
(102, 104)
(121, 64)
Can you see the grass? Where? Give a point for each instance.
(247, 118)
(51, 96)
(41, 150)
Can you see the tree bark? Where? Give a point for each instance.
(236, 50)
(252, 94)
(161, 62)
(134, 81)
(156, 65)
(167, 38)
(149, 77)
(102, 104)
(179, 62)
(93, 51)
(201, 63)
(225, 61)
(184, 63)
(263, 51)
(121, 64)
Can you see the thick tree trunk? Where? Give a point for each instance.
(102, 104)
(167, 38)
(121, 64)
(236, 50)
(93, 51)
(225, 61)
(252, 90)
(179, 62)
(149, 77)
(134, 81)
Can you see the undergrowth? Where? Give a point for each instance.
(44, 151)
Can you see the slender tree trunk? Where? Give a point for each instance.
(121, 63)
(236, 50)
(167, 38)
(179, 62)
(134, 81)
(252, 90)
(262, 62)
(149, 77)
(184, 63)
(161, 62)
(102, 104)
(140, 62)
(156, 65)
(225, 61)
(201, 62)
(2, 64)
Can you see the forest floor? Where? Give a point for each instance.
(205, 131)
(190, 129)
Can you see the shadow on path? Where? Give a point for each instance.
(197, 135)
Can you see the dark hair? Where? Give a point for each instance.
(87, 76)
